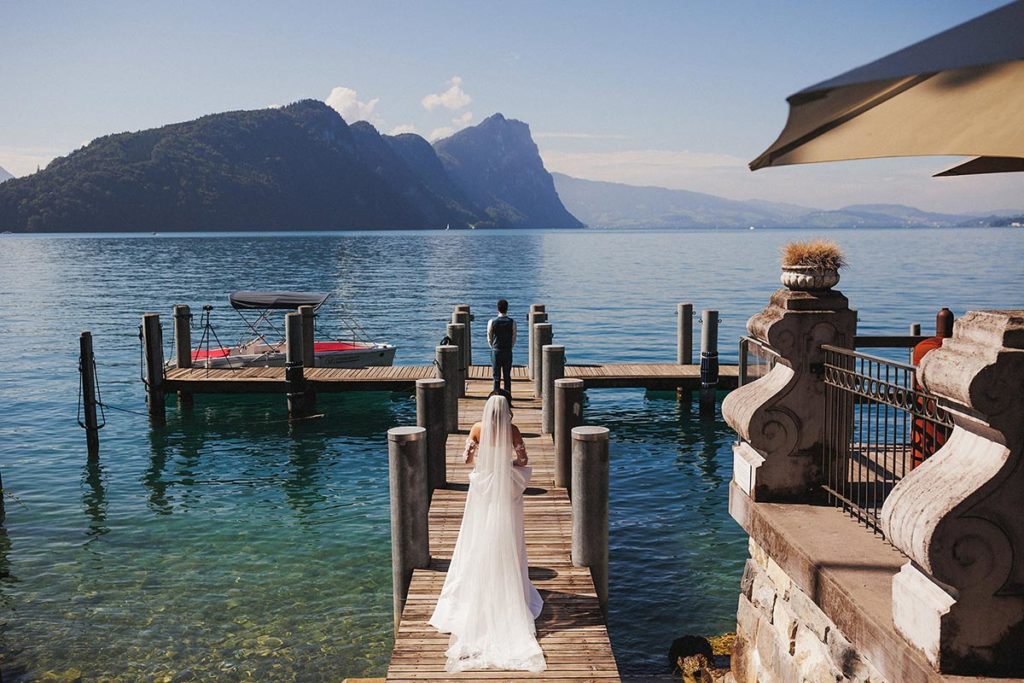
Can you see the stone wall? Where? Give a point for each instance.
(782, 636)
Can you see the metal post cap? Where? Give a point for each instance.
(447, 348)
(569, 383)
(553, 348)
(430, 383)
(406, 434)
(590, 433)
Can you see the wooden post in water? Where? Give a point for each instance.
(684, 334)
(299, 399)
(531, 318)
(430, 414)
(407, 482)
(87, 370)
(568, 414)
(462, 318)
(153, 346)
(183, 345)
(553, 361)
(708, 360)
(457, 333)
(468, 322)
(590, 505)
(915, 331)
(308, 314)
(446, 358)
(542, 336)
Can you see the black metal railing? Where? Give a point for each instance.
(756, 360)
(879, 424)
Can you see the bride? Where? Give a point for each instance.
(488, 603)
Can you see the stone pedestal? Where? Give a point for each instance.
(781, 416)
(959, 516)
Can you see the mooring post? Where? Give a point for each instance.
(553, 361)
(684, 334)
(590, 505)
(915, 331)
(446, 358)
(153, 346)
(430, 414)
(457, 333)
(568, 414)
(531, 318)
(87, 370)
(407, 482)
(299, 399)
(183, 345)
(542, 336)
(462, 318)
(708, 360)
(308, 314)
(468, 322)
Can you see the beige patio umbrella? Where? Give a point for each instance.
(958, 93)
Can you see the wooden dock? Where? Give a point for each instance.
(571, 629)
(403, 377)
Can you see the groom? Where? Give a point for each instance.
(501, 337)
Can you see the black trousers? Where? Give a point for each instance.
(501, 366)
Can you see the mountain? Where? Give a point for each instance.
(4, 175)
(300, 167)
(615, 205)
(499, 167)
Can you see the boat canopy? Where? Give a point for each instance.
(276, 300)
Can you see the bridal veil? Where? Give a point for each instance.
(488, 603)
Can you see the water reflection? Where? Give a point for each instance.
(94, 498)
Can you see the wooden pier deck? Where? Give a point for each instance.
(571, 629)
(403, 377)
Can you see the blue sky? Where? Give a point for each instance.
(678, 94)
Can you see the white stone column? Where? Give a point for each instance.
(959, 516)
(781, 416)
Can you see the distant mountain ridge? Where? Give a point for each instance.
(4, 175)
(616, 205)
(299, 167)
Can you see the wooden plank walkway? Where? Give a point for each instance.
(571, 629)
(403, 377)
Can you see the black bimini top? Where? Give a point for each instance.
(276, 300)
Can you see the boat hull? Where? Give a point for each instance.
(327, 355)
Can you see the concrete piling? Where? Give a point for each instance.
(457, 333)
(708, 360)
(446, 358)
(308, 314)
(430, 414)
(468, 322)
(300, 400)
(153, 347)
(542, 336)
(462, 318)
(531, 318)
(590, 505)
(87, 368)
(684, 334)
(553, 362)
(183, 345)
(407, 483)
(568, 414)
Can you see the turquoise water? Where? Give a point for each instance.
(230, 545)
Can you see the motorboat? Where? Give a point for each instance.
(354, 349)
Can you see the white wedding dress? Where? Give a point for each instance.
(488, 603)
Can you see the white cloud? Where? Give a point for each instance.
(439, 133)
(404, 128)
(453, 98)
(463, 120)
(346, 102)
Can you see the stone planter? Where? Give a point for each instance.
(809, 278)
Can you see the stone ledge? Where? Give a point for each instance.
(847, 571)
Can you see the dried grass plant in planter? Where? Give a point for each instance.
(811, 266)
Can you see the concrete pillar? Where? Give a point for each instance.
(182, 336)
(708, 361)
(87, 371)
(590, 505)
(781, 417)
(531, 318)
(568, 414)
(684, 334)
(430, 414)
(446, 358)
(308, 314)
(153, 346)
(957, 516)
(542, 336)
(300, 399)
(462, 318)
(468, 322)
(407, 483)
(457, 333)
(553, 362)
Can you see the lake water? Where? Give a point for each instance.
(230, 545)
